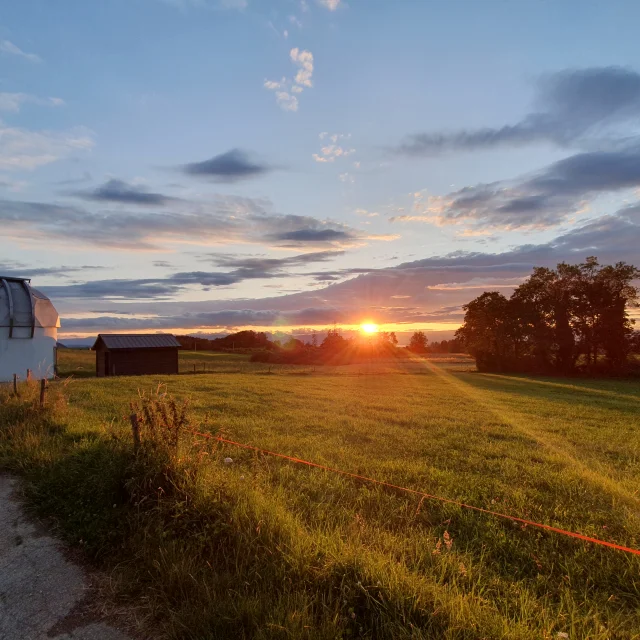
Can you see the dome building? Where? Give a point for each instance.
(28, 330)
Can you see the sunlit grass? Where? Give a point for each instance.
(266, 548)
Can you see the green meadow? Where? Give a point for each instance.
(266, 548)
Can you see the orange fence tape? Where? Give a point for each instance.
(546, 527)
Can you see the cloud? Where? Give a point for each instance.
(431, 290)
(12, 102)
(286, 88)
(238, 269)
(573, 107)
(332, 5)
(286, 101)
(119, 191)
(220, 220)
(22, 270)
(331, 150)
(539, 201)
(304, 60)
(313, 235)
(238, 5)
(6, 46)
(232, 166)
(24, 149)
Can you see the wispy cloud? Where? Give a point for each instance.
(332, 5)
(232, 166)
(573, 107)
(218, 221)
(25, 149)
(6, 46)
(22, 270)
(12, 102)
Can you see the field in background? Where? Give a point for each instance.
(81, 363)
(376, 564)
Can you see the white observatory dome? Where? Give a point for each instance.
(28, 330)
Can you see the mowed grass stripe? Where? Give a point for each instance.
(597, 474)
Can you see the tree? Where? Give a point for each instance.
(418, 342)
(387, 338)
(485, 331)
(334, 341)
(556, 320)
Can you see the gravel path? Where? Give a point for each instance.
(41, 592)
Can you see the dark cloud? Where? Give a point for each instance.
(231, 166)
(221, 220)
(313, 235)
(116, 289)
(572, 106)
(539, 201)
(122, 192)
(241, 268)
(21, 270)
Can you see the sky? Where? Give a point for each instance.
(206, 166)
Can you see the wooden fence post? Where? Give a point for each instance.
(135, 428)
(43, 392)
(28, 375)
(15, 385)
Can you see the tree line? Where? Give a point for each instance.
(562, 320)
(419, 343)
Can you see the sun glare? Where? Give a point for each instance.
(369, 327)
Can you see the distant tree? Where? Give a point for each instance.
(334, 341)
(418, 342)
(293, 343)
(387, 338)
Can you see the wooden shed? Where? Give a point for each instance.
(136, 354)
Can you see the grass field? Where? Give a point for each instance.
(270, 549)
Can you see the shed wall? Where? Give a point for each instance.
(136, 362)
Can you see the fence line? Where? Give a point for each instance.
(428, 496)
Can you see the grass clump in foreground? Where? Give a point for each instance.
(265, 549)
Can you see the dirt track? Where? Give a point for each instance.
(42, 594)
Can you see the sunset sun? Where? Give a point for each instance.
(369, 327)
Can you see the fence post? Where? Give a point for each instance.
(135, 428)
(28, 375)
(15, 385)
(43, 392)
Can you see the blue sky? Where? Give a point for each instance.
(206, 165)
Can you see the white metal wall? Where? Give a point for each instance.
(19, 354)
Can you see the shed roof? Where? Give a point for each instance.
(137, 341)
